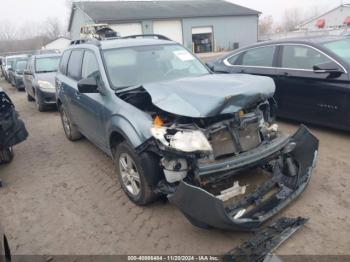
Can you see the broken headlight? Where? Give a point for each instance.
(182, 140)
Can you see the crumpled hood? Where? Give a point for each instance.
(210, 95)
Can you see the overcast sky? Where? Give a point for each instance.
(21, 12)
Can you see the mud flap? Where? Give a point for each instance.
(265, 241)
(205, 210)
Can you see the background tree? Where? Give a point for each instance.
(266, 25)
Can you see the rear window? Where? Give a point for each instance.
(64, 62)
(47, 64)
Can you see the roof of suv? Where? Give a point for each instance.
(127, 42)
(47, 55)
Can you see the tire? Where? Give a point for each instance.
(39, 104)
(138, 167)
(30, 98)
(69, 128)
(6, 155)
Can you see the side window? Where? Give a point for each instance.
(74, 64)
(64, 62)
(90, 65)
(302, 57)
(262, 56)
(233, 59)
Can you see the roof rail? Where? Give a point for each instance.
(81, 41)
(160, 37)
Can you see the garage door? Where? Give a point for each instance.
(171, 29)
(128, 29)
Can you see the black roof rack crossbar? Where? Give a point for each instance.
(160, 37)
(93, 41)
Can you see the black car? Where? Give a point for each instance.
(311, 76)
(12, 129)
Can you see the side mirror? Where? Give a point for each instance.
(88, 85)
(329, 67)
(10, 69)
(27, 72)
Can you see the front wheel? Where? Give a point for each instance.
(39, 104)
(30, 98)
(132, 170)
(6, 155)
(70, 130)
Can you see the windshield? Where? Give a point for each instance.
(47, 64)
(10, 62)
(21, 65)
(139, 65)
(341, 48)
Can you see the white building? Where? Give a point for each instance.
(337, 18)
(58, 44)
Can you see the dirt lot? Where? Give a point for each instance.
(63, 198)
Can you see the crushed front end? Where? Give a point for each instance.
(12, 129)
(233, 171)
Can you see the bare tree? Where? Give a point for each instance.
(266, 25)
(292, 18)
(53, 28)
(7, 30)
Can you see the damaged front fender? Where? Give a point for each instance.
(204, 209)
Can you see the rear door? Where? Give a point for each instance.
(28, 77)
(69, 86)
(305, 95)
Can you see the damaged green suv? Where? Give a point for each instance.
(206, 141)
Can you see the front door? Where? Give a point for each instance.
(305, 95)
(90, 107)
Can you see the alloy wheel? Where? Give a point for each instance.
(129, 173)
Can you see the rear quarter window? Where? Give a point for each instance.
(74, 64)
(64, 62)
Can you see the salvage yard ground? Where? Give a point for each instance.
(63, 198)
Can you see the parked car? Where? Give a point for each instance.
(311, 76)
(2, 61)
(18, 70)
(11, 69)
(12, 129)
(7, 66)
(206, 141)
(39, 80)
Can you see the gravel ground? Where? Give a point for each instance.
(63, 198)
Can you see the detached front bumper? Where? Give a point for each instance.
(204, 209)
